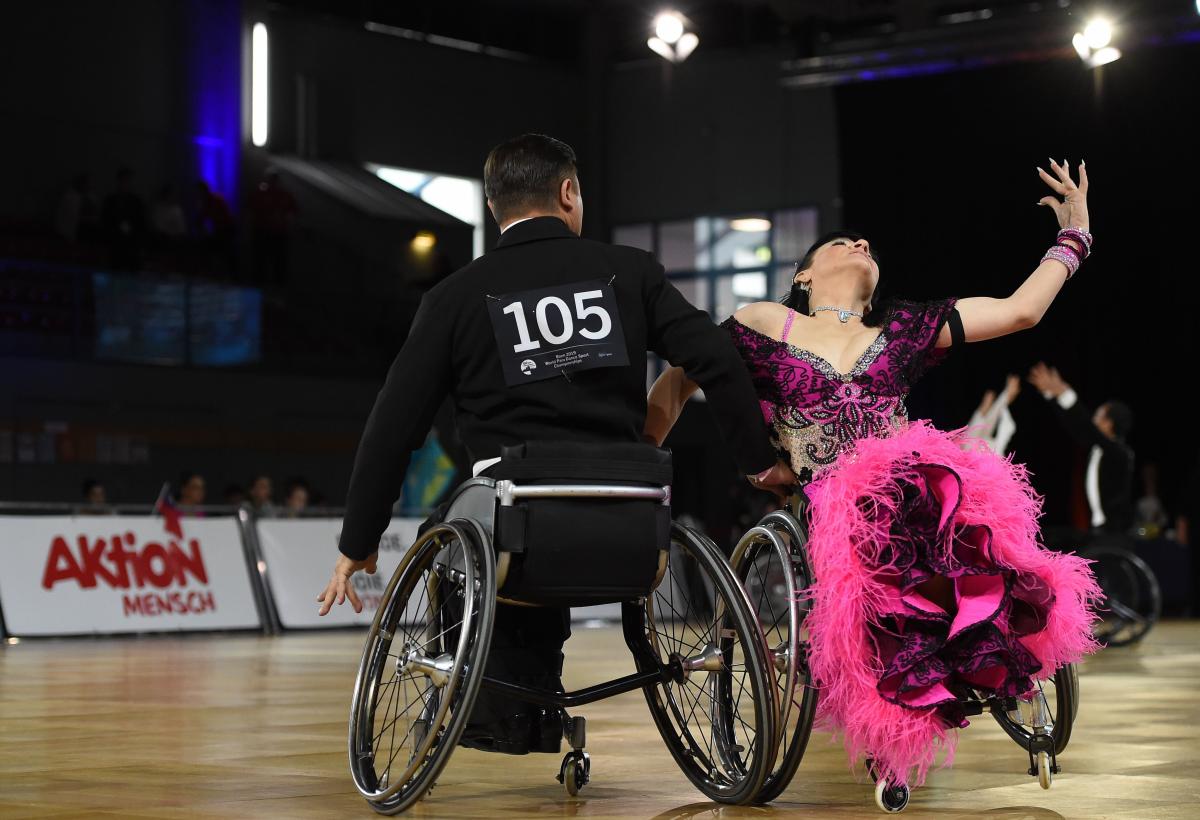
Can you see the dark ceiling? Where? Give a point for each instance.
(560, 30)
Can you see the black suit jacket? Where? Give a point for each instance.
(452, 350)
(1116, 465)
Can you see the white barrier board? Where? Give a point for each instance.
(76, 575)
(300, 554)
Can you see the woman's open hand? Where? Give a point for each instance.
(1071, 211)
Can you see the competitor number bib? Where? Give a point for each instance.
(543, 333)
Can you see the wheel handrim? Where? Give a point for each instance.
(705, 705)
(437, 563)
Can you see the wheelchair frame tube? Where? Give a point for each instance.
(638, 680)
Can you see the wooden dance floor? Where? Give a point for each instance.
(239, 726)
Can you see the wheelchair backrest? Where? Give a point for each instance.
(584, 523)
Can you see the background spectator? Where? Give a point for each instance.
(260, 496)
(77, 217)
(1150, 515)
(296, 498)
(190, 493)
(95, 499)
(215, 221)
(167, 219)
(235, 495)
(272, 208)
(124, 220)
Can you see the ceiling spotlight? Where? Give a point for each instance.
(668, 27)
(1098, 33)
(1093, 43)
(1104, 56)
(672, 39)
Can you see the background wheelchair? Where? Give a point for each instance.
(1132, 596)
(771, 562)
(572, 524)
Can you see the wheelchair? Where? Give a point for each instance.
(1132, 596)
(770, 560)
(575, 524)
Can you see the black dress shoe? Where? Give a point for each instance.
(509, 736)
(547, 730)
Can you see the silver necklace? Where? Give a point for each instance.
(842, 313)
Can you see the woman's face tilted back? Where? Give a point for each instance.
(843, 257)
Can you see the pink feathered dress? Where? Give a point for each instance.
(891, 505)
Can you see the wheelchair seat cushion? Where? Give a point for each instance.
(582, 551)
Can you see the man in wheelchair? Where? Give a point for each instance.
(540, 340)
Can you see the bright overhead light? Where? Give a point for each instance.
(1103, 57)
(672, 38)
(258, 85)
(687, 44)
(1081, 46)
(1098, 33)
(1093, 44)
(661, 48)
(750, 224)
(668, 27)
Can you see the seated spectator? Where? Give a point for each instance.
(260, 496)
(235, 496)
(190, 494)
(95, 499)
(295, 500)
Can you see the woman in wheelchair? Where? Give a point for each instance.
(930, 585)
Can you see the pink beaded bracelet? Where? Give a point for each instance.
(1062, 254)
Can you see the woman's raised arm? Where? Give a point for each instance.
(987, 318)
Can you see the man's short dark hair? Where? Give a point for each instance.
(1121, 416)
(524, 174)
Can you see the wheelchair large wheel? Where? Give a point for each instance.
(715, 705)
(769, 561)
(1053, 709)
(1132, 597)
(421, 666)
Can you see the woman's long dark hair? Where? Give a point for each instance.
(797, 298)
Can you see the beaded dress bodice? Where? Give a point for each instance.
(816, 413)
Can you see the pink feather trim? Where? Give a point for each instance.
(905, 742)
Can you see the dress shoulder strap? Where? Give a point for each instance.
(787, 323)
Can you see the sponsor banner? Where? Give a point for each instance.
(300, 554)
(77, 575)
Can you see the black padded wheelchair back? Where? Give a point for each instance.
(587, 550)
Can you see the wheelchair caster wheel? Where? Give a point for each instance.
(575, 771)
(891, 799)
(1045, 775)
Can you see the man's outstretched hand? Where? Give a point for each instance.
(341, 587)
(1048, 380)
